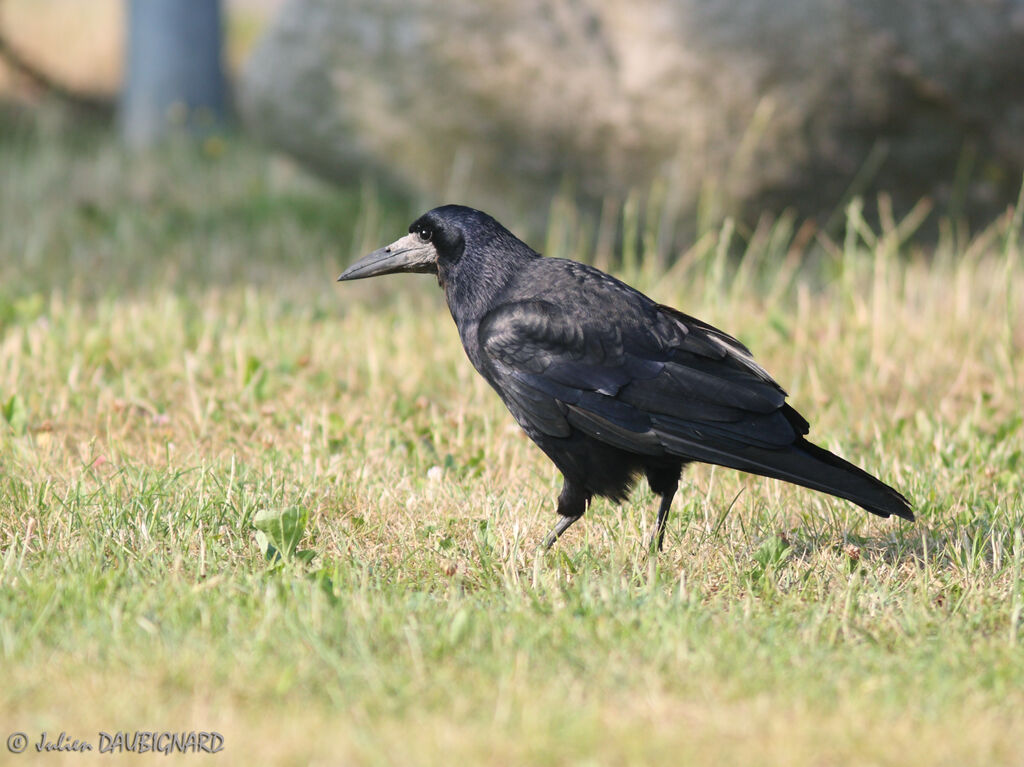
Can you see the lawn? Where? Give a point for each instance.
(176, 359)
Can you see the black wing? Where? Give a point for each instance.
(649, 380)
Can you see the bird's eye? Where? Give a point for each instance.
(424, 234)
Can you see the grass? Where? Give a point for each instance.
(175, 359)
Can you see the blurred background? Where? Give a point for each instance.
(587, 125)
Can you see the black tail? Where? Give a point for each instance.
(811, 466)
(801, 463)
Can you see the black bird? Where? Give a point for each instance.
(609, 383)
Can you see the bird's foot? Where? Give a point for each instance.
(563, 524)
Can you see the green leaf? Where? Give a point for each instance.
(15, 414)
(772, 553)
(459, 626)
(252, 367)
(255, 378)
(269, 550)
(283, 528)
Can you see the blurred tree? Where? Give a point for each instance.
(173, 70)
(42, 82)
(723, 108)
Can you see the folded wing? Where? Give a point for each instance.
(653, 381)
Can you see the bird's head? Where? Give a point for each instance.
(436, 239)
(440, 241)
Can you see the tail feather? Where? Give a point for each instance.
(808, 465)
(818, 469)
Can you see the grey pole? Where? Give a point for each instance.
(173, 69)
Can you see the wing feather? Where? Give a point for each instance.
(654, 382)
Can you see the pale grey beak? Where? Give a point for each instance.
(409, 254)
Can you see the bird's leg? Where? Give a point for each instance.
(563, 524)
(658, 537)
(664, 480)
(572, 502)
